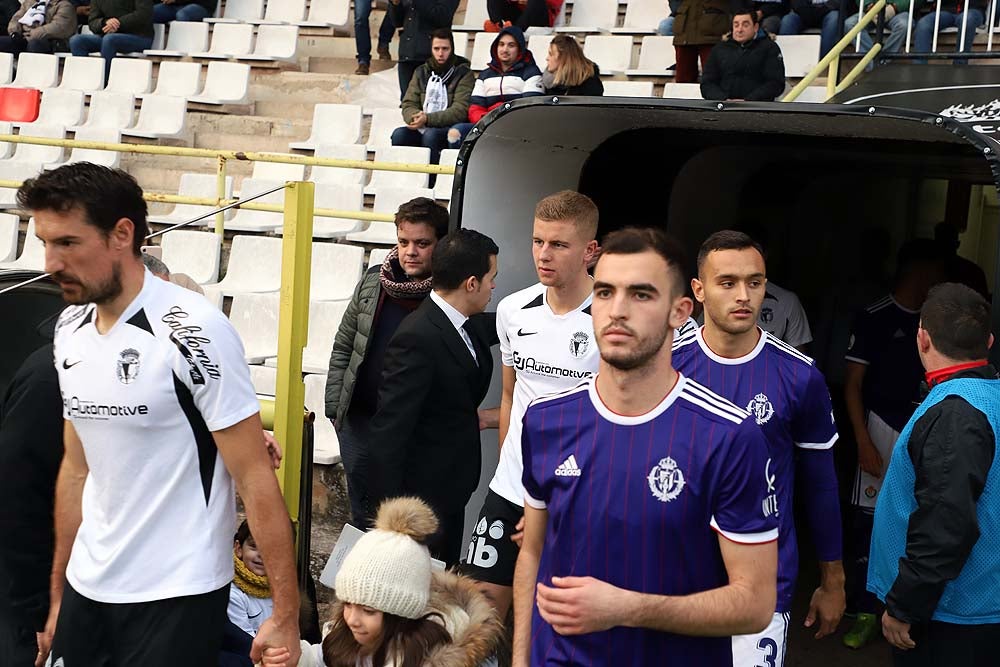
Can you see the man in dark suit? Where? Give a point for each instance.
(425, 433)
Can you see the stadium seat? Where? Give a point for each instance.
(6, 127)
(19, 104)
(274, 42)
(800, 53)
(338, 197)
(11, 170)
(254, 266)
(32, 257)
(539, 47)
(475, 15)
(105, 158)
(655, 55)
(59, 107)
(196, 254)
(177, 79)
(160, 116)
(445, 182)
(82, 73)
(264, 379)
(324, 320)
(628, 88)
(246, 220)
(326, 446)
(591, 16)
(338, 174)
(225, 83)
(481, 54)
(6, 68)
(282, 12)
(255, 318)
(332, 124)
(642, 17)
(399, 179)
(36, 153)
(36, 70)
(327, 13)
(461, 44)
(612, 53)
(278, 171)
(377, 256)
(159, 38)
(336, 269)
(240, 11)
(384, 122)
(114, 111)
(9, 226)
(228, 41)
(195, 185)
(130, 75)
(682, 91)
(388, 200)
(184, 38)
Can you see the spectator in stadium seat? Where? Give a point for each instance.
(521, 13)
(897, 16)
(770, 13)
(822, 14)
(46, 29)
(438, 98)
(666, 27)
(958, 268)
(119, 26)
(745, 65)
(363, 37)
(165, 11)
(82, 11)
(698, 26)
(511, 74)
(418, 19)
(923, 32)
(568, 71)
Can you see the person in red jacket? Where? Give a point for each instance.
(521, 13)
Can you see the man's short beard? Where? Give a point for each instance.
(102, 293)
(639, 357)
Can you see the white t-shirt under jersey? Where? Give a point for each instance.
(158, 505)
(549, 353)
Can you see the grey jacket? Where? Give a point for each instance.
(60, 21)
(351, 344)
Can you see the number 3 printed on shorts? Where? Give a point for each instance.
(770, 649)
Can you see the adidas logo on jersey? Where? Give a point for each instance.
(568, 468)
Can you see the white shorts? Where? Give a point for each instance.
(764, 649)
(866, 487)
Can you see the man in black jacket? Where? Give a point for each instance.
(425, 434)
(418, 19)
(746, 66)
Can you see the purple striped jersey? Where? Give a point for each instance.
(788, 397)
(640, 502)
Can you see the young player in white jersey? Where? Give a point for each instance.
(159, 412)
(547, 345)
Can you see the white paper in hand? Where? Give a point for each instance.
(349, 536)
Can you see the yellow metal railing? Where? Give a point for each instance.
(831, 61)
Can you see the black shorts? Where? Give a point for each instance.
(491, 555)
(176, 631)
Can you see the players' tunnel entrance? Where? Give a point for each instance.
(31, 312)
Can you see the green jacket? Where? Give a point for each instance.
(60, 21)
(351, 344)
(459, 85)
(135, 16)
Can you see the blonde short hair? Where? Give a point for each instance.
(570, 206)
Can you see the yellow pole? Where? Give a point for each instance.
(831, 78)
(220, 191)
(859, 68)
(293, 323)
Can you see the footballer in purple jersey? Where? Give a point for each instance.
(649, 536)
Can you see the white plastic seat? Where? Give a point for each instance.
(481, 54)
(591, 16)
(377, 256)
(282, 12)
(255, 318)
(177, 79)
(324, 320)
(36, 153)
(274, 42)
(228, 41)
(445, 182)
(184, 38)
(461, 44)
(475, 15)
(399, 179)
(6, 68)
(539, 47)
(160, 116)
(682, 91)
(195, 185)
(628, 88)
(246, 220)
(336, 270)
(59, 107)
(612, 53)
(13, 170)
(159, 37)
(327, 13)
(240, 11)
(278, 171)
(130, 75)
(104, 158)
(326, 446)
(115, 111)
(800, 53)
(32, 257)
(642, 16)
(264, 379)
(384, 122)
(196, 254)
(9, 225)
(332, 124)
(36, 70)
(254, 266)
(225, 83)
(656, 54)
(82, 73)
(338, 174)
(388, 200)
(338, 197)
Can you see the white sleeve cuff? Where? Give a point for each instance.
(818, 445)
(745, 538)
(534, 502)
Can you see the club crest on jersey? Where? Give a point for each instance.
(666, 480)
(579, 343)
(760, 407)
(766, 315)
(128, 366)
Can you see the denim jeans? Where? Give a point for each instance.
(167, 13)
(892, 40)
(434, 138)
(462, 129)
(923, 32)
(666, 27)
(792, 24)
(362, 31)
(17, 45)
(109, 45)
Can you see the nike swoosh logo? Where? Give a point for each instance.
(526, 333)
(255, 615)
(67, 365)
